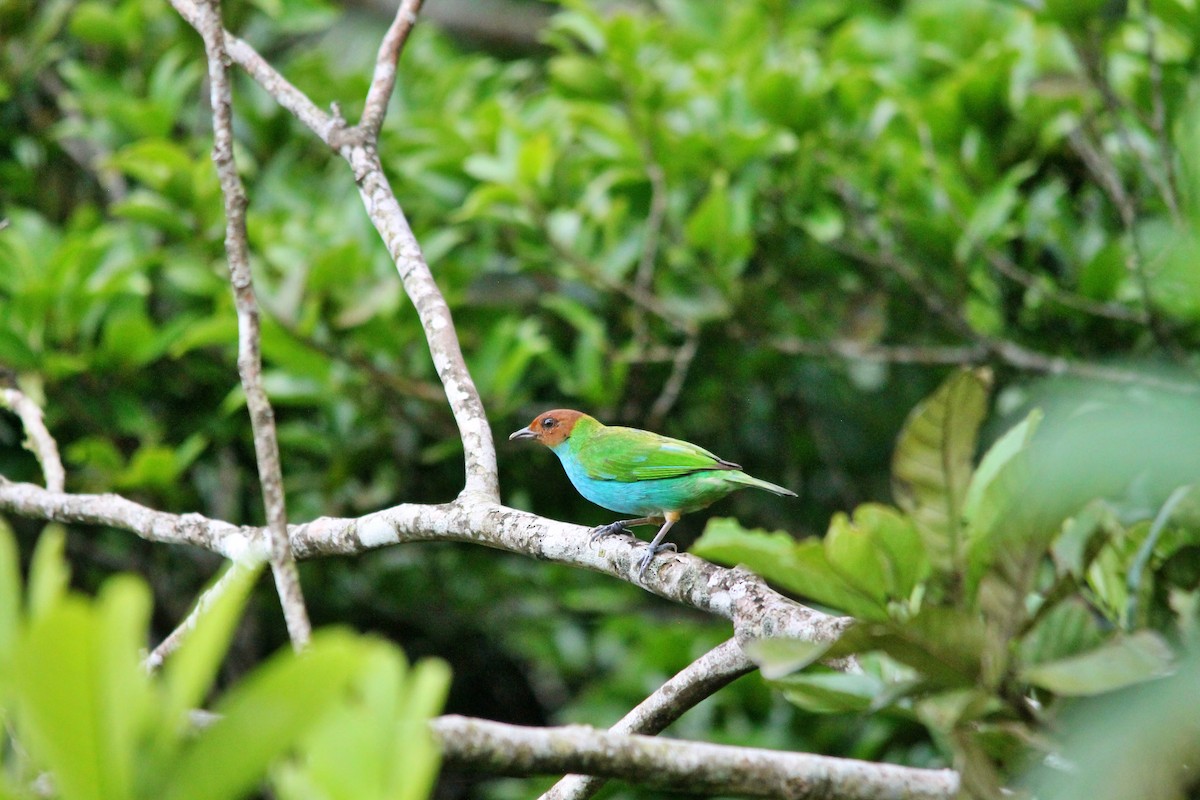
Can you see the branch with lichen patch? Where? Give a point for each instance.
(696, 767)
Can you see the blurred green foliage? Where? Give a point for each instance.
(734, 223)
(84, 718)
(995, 588)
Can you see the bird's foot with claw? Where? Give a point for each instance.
(651, 552)
(610, 529)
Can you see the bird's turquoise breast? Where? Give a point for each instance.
(648, 498)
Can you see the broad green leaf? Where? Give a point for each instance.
(994, 210)
(1066, 630)
(800, 567)
(10, 593)
(879, 552)
(377, 744)
(1123, 661)
(417, 757)
(931, 468)
(778, 657)
(57, 699)
(830, 692)
(999, 454)
(265, 716)
(189, 671)
(49, 574)
(944, 644)
(124, 699)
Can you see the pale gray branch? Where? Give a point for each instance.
(695, 767)
(712, 671)
(37, 438)
(262, 418)
(384, 79)
(756, 610)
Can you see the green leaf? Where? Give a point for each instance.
(1066, 630)
(49, 574)
(994, 210)
(944, 644)
(1122, 661)
(58, 707)
(931, 468)
(797, 566)
(190, 671)
(999, 454)
(879, 552)
(124, 699)
(778, 657)
(830, 692)
(266, 715)
(10, 594)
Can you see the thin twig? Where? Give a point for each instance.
(680, 365)
(647, 301)
(384, 79)
(262, 418)
(694, 767)
(702, 678)
(1001, 262)
(176, 637)
(1095, 71)
(361, 153)
(37, 438)
(882, 353)
(1158, 115)
(644, 277)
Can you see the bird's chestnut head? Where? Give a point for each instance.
(551, 428)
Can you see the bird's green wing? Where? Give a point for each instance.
(628, 454)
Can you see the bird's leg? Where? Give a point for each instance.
(671, 517)
(621, 526)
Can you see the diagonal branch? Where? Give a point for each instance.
(262, 418)
(694, 767)
(714, 670)
(358, 148)
(384, 79)
(37, 438)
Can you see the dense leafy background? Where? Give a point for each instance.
(730, 194)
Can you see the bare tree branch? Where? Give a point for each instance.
(695, 767)
(384, 80)
(176, 637)
(359, 150)
(37, 438)
(262, 417)
(703, 677)
(756, 610)
(680, 365)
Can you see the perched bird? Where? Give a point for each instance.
(632, 471)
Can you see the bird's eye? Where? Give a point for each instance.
(549, 422)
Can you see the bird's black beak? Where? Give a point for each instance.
(524, 433)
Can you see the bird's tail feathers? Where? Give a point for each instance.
(758, 483)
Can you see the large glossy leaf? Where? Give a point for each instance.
(49, 574)
(800, 567)
(190, 670)
(931, 468)
(1122, 661)
(58, 705)
(266, 715)
(376, 745)
(10, 594)
(830, 692)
